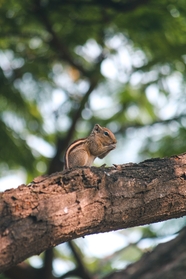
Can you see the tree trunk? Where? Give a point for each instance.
(82, 201)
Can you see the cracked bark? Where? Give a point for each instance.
(82, 201)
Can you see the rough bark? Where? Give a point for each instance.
(82, 201)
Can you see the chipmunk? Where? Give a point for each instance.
(83, 152)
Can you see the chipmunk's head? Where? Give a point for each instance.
(104, 135)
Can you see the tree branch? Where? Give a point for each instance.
(82, 272)
(83, 201)
(166, 261)
(117, 6)
(55, 42)
(47, 268)
(124, 127)
(62, 143)
(158, 121)
(120, 6)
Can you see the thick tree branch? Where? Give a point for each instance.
(82, 201)
(167, 260)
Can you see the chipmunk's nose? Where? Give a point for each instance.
(115, 141)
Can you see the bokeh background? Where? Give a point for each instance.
(66, 65)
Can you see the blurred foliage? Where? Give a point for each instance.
(66, 65)
(50, 48)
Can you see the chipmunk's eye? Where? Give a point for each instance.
(106, 134)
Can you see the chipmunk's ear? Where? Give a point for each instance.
(97, 128)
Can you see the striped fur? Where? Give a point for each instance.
(70, 148)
